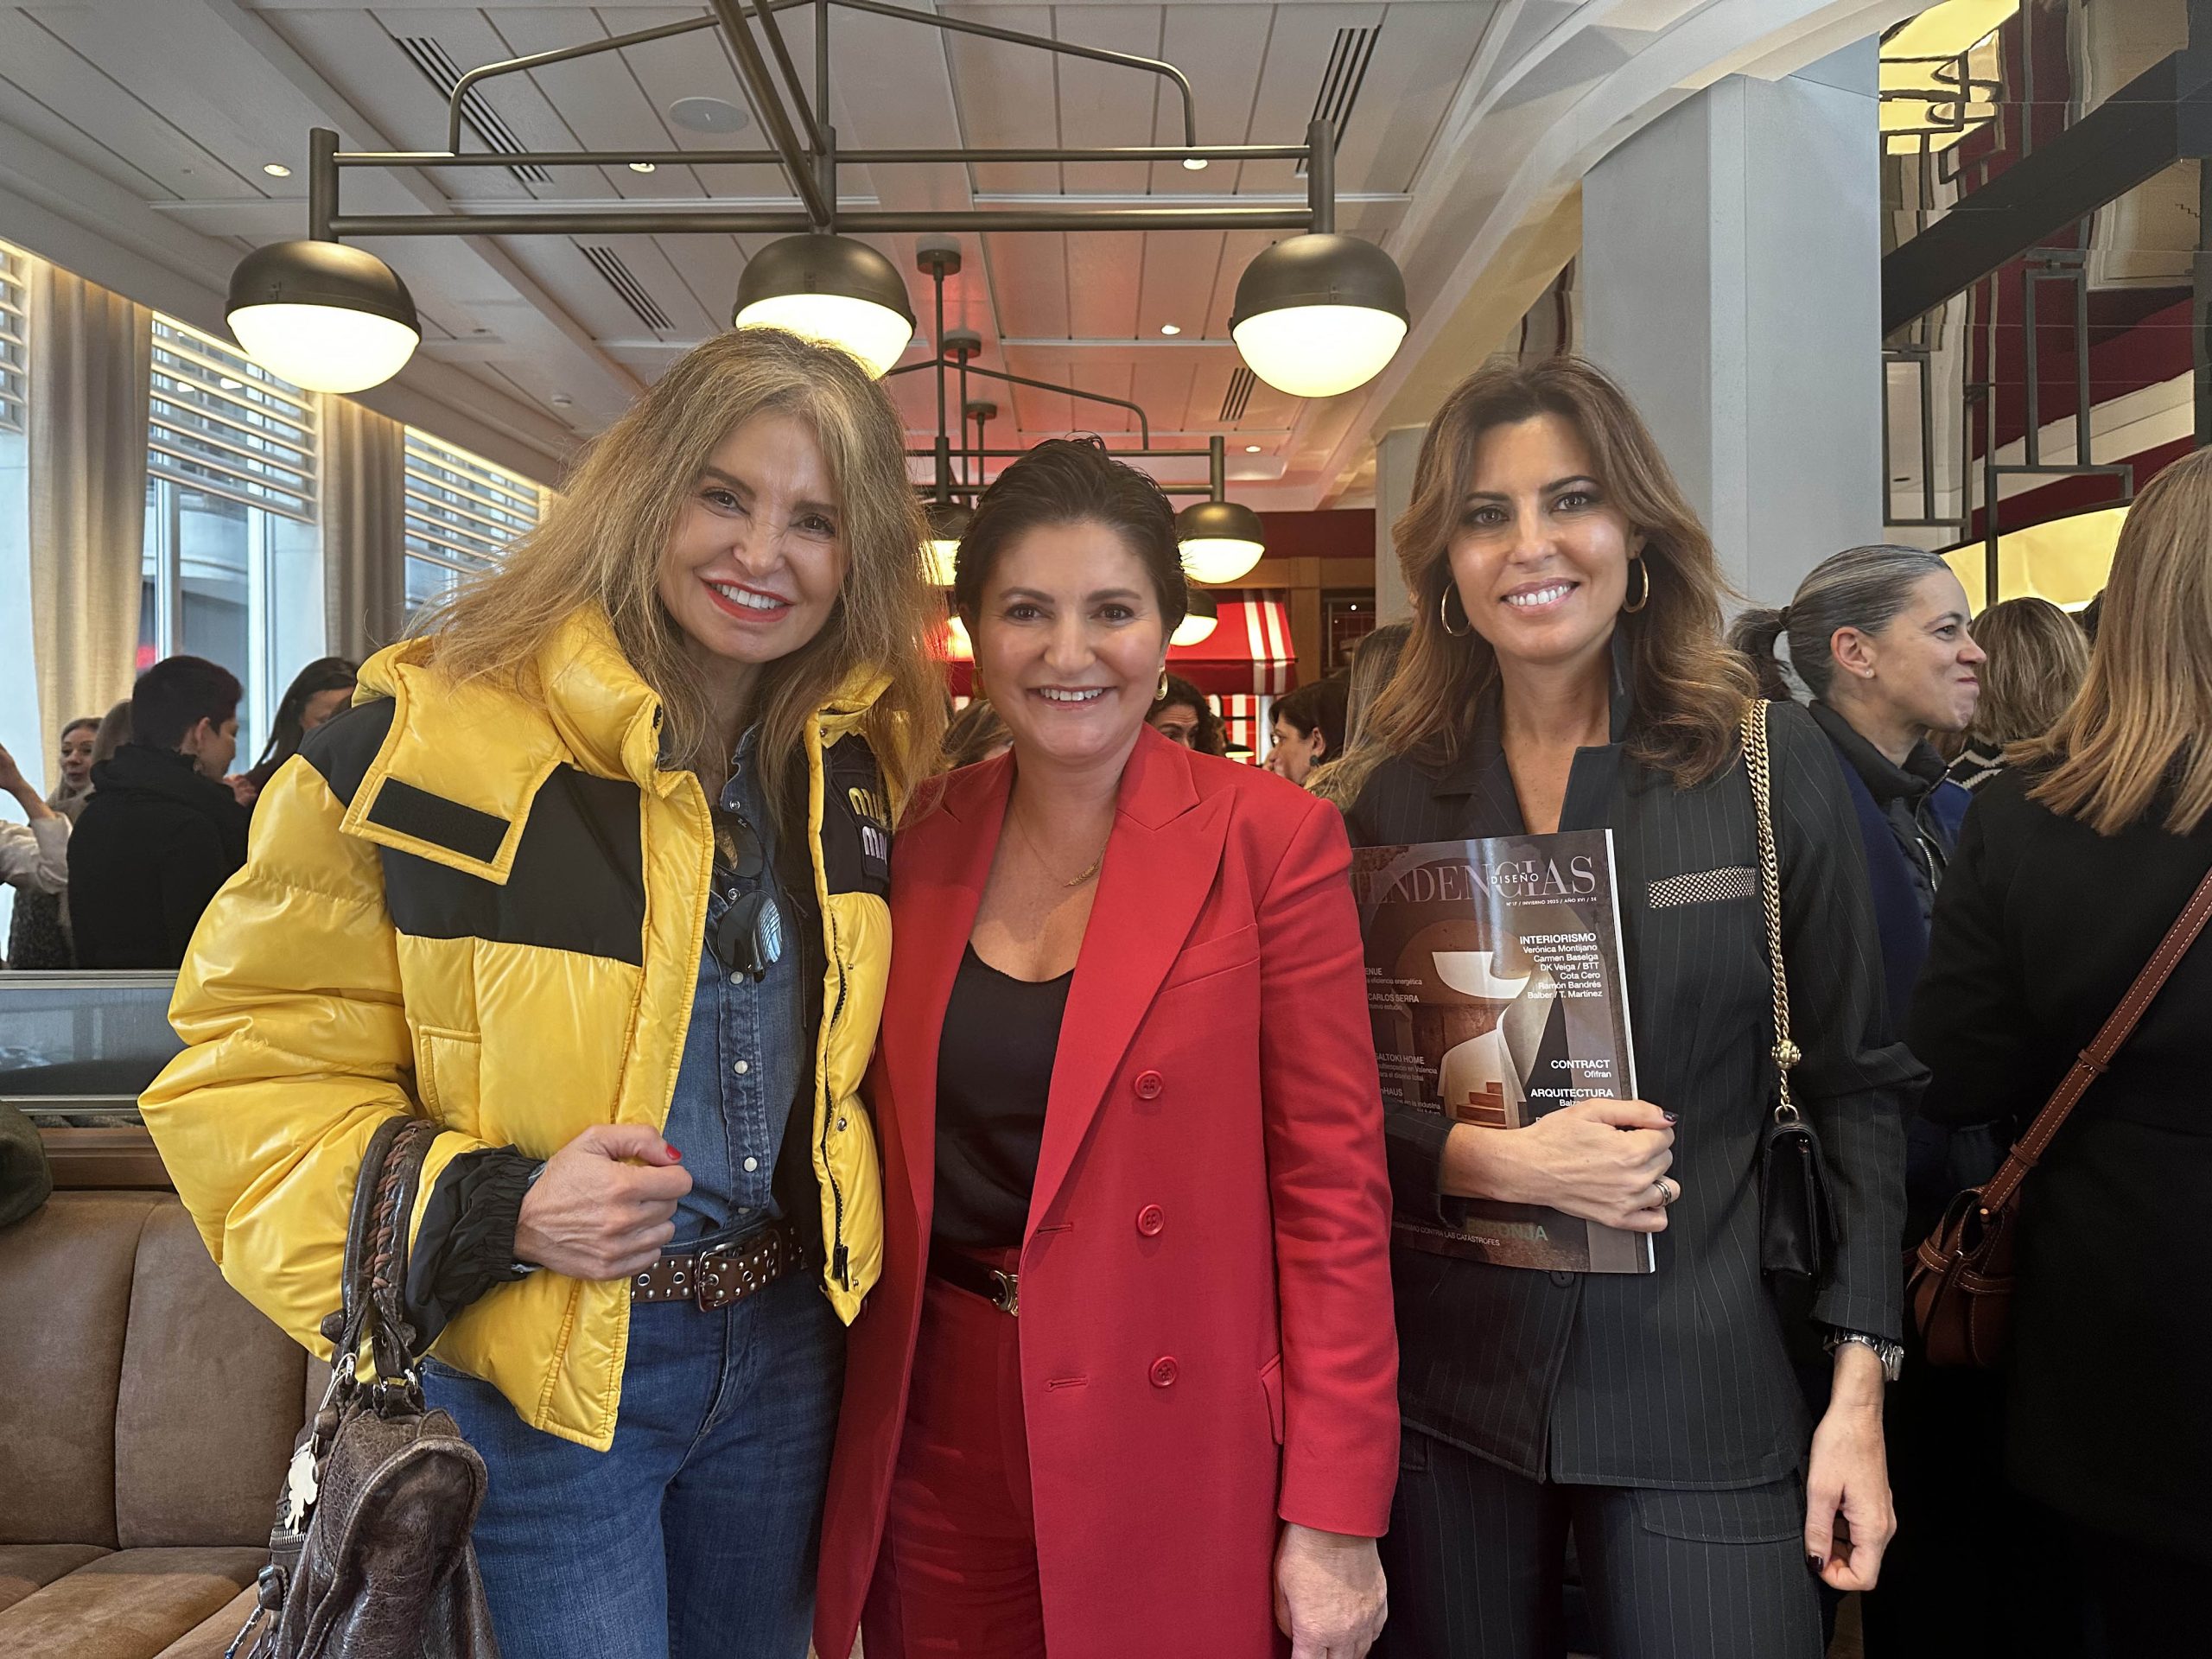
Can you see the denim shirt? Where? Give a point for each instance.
(741, 1055)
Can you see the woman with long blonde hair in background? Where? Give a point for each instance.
(2073, 863)
(2037, 655)
(1374, 659)
(594, 880)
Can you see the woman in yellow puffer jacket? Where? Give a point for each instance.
(593, 876)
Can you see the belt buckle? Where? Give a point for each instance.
(712, 1267)
(1008, 1298)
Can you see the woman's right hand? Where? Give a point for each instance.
(1600, 1159)
(592, 1215)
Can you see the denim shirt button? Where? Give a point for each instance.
(744, 1066)
(752, 1164)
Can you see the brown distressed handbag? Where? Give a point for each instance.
(1958, 1282)
(371, 1557)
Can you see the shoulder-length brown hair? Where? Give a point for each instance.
(602, 544)
(1690, 689)
(2038, 655)
(2131, 740)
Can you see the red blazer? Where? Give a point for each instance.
(1207, 1341)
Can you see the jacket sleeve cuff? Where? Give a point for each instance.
(466, 1243)
(1414, 1142)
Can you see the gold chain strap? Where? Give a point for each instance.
(1786, 1054)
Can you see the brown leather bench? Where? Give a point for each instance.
(147, 1412)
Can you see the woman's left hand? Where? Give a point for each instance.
(1329, 1593)
(1849, 1476)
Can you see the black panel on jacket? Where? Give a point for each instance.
(344, 749)
(416, 813)
(578, 882)
(855, 820)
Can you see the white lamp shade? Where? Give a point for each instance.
(957, 645)
(944, 556)
(1219, 558)
(874, 333)
(1319, 351)
(1193, 628)
(324, 348)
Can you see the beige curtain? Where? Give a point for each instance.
(363, 495)
(91, 358)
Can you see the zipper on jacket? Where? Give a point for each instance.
(837, 1255)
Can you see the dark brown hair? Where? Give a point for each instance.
(1690, 689)
(1209, 738)
(1071, 481)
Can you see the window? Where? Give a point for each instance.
(462, 513)
(233, 567)
(19, 710)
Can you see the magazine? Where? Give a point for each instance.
(1495, 983)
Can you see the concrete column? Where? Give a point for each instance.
(1732, 282)
(1395, 453)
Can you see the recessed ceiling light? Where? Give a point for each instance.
(276, 169)
(560, 400)
(1251, 448)
(641, 167)
(708, 115)
(1194, 164)
(1169, 328)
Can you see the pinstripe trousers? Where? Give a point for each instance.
(1477, 1554)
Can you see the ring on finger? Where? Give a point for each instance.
(1668, 1191)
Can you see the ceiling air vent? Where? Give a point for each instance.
(620, 277)
(1340, 84)
(1238, 395)
(430, 56)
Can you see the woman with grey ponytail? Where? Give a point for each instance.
(1879, 637)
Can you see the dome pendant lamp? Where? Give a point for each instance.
(830, 288)
(1320, 314)
(949, 522)
(323, 315)
(1199, 621)
(1221, 540)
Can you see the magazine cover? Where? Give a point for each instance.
(1496, 985)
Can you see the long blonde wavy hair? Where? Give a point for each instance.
(1690, 688)
(602, 545)
(2133, 736)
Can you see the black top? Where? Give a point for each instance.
(994, 1072)
(1904, 795)
(1679, 1377)
(150, 849)
(2040, 928)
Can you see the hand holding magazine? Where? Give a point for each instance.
(1496, 984)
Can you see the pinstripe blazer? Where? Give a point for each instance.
(1678, 1379)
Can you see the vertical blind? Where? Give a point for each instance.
(15, 351)
(462, 510)
(222, 423)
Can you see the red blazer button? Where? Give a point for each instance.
(1164, 1371)
(1148, 1085)
(1151, 1221)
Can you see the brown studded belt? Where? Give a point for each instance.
(725, 1273)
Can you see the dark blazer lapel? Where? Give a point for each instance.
(1160, 862)
(935, 890)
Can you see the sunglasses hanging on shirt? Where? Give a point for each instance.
(749, 936)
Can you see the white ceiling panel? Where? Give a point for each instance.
(1109, 103)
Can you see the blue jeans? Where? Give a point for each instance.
(696, 1537)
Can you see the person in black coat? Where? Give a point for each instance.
(1566, 670)
(2073, 864)
(162, 830)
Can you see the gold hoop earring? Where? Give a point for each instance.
(1644, 598)
(1444, 615)
(1161, 695)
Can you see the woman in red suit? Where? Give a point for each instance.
(1125, 1384)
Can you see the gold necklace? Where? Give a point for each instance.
(1036, 853)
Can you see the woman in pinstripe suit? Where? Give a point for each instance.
(1566, 670)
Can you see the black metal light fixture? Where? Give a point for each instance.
(1201, 616)
(323, 315)
(832, 289)
(949, 522)
(1221, 539)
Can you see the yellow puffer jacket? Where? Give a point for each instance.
(489, 912)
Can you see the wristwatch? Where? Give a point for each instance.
(1892, 1354)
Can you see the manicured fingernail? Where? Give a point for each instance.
(1669, 1116)
(674, 1153)
(1814, 1562)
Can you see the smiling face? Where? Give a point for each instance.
(1923, 666)
(1070, 639)
(77, 755)
(1541, 556)
(753, 569)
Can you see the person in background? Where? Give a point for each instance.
(1126, 1388)
(2073, 863)
(34, 855)
(1374, 659)
(319, 692)
(1880, 637)
(38, 933)
(1186, 715)
(977, 732)
(163, 832)
(692, 701)
(1306, 726)
(1566, 671)
(2038, 655)
(114, 732)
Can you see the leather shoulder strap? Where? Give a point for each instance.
(2004, 1186)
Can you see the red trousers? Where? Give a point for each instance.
(957, 1572)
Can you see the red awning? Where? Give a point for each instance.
(1248, 655)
